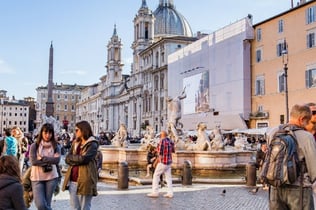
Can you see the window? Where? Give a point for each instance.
(310, 15)
(146, 30)
(258, 56)
(310, 78)
(259, 86)
(156, 81)
(162, 77)
(280, 48)
(258, 34)
(281, 82)
(310, 40)
(157, 59)
(281, 26)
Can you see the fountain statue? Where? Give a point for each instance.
(241, 142)
(51, 120)
(174, 127)
(202, 142)
(149, 138)
(217, 142)
(120, 138)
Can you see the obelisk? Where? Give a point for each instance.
(50, 102)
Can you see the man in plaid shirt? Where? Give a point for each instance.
(165, 149)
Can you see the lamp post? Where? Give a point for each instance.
(285, 60)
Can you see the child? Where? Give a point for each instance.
(151, 157)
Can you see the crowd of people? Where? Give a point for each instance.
(30, 170)
(37, 160)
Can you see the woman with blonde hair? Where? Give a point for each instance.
(44, 156)
(11, 189)
(22, 145)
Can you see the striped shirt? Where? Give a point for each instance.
(165, 149)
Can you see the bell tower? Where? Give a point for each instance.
(143, 33)
(114, 63)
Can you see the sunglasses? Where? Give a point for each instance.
(76, 129)
(314, 112)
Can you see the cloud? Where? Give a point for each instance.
(5, 68)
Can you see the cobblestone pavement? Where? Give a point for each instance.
(197, 196)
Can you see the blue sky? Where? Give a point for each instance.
(81, 29)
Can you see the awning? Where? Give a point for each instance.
(227, 122)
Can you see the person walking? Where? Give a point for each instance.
(82, 176)
(311, 127)
(165, 149)
(44, 157)
(22, 145)
(11, 189)
(10, 144)
(288, 197)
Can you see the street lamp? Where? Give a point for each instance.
(285, 60)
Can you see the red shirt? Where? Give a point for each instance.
(165, 149)
(75, 169)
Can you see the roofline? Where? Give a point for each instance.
(285, 12)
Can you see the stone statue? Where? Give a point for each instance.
(217, 142)
(202, 142)
(120, 139)
(149, 138)
(51, 120)
(240, 142)
(174, 115)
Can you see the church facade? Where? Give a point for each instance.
(138, 99)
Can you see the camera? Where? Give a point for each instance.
(47, 168)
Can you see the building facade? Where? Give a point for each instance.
(275, 47)
(215, 74)
(65, 98)
(13, 113)
(138, 100)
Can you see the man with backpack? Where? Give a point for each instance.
(291, 182)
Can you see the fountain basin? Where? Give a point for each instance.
(221, 164)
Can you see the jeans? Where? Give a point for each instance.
(160, 169)
(288, 198)
(43, 193)
(78, 202)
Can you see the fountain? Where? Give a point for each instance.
(208, 158)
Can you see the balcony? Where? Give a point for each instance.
(259, 115)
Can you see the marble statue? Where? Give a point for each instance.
(174, 115)
(217, 142)
(120, 139)
(149, 138)
(240, 142)
(202, 142)
(51, 120)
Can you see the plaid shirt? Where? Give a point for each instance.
(165, 149)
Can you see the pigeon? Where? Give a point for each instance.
(254, 191)
(223, 192)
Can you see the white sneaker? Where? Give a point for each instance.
(153, 195)
(168, 195)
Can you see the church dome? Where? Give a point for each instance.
(169, 22)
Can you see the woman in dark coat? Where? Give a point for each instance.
(11, 190)
(82, 176)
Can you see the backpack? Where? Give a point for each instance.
(281, 165)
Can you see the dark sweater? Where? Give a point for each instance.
(11, 193)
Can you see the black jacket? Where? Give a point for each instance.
(11, 193)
